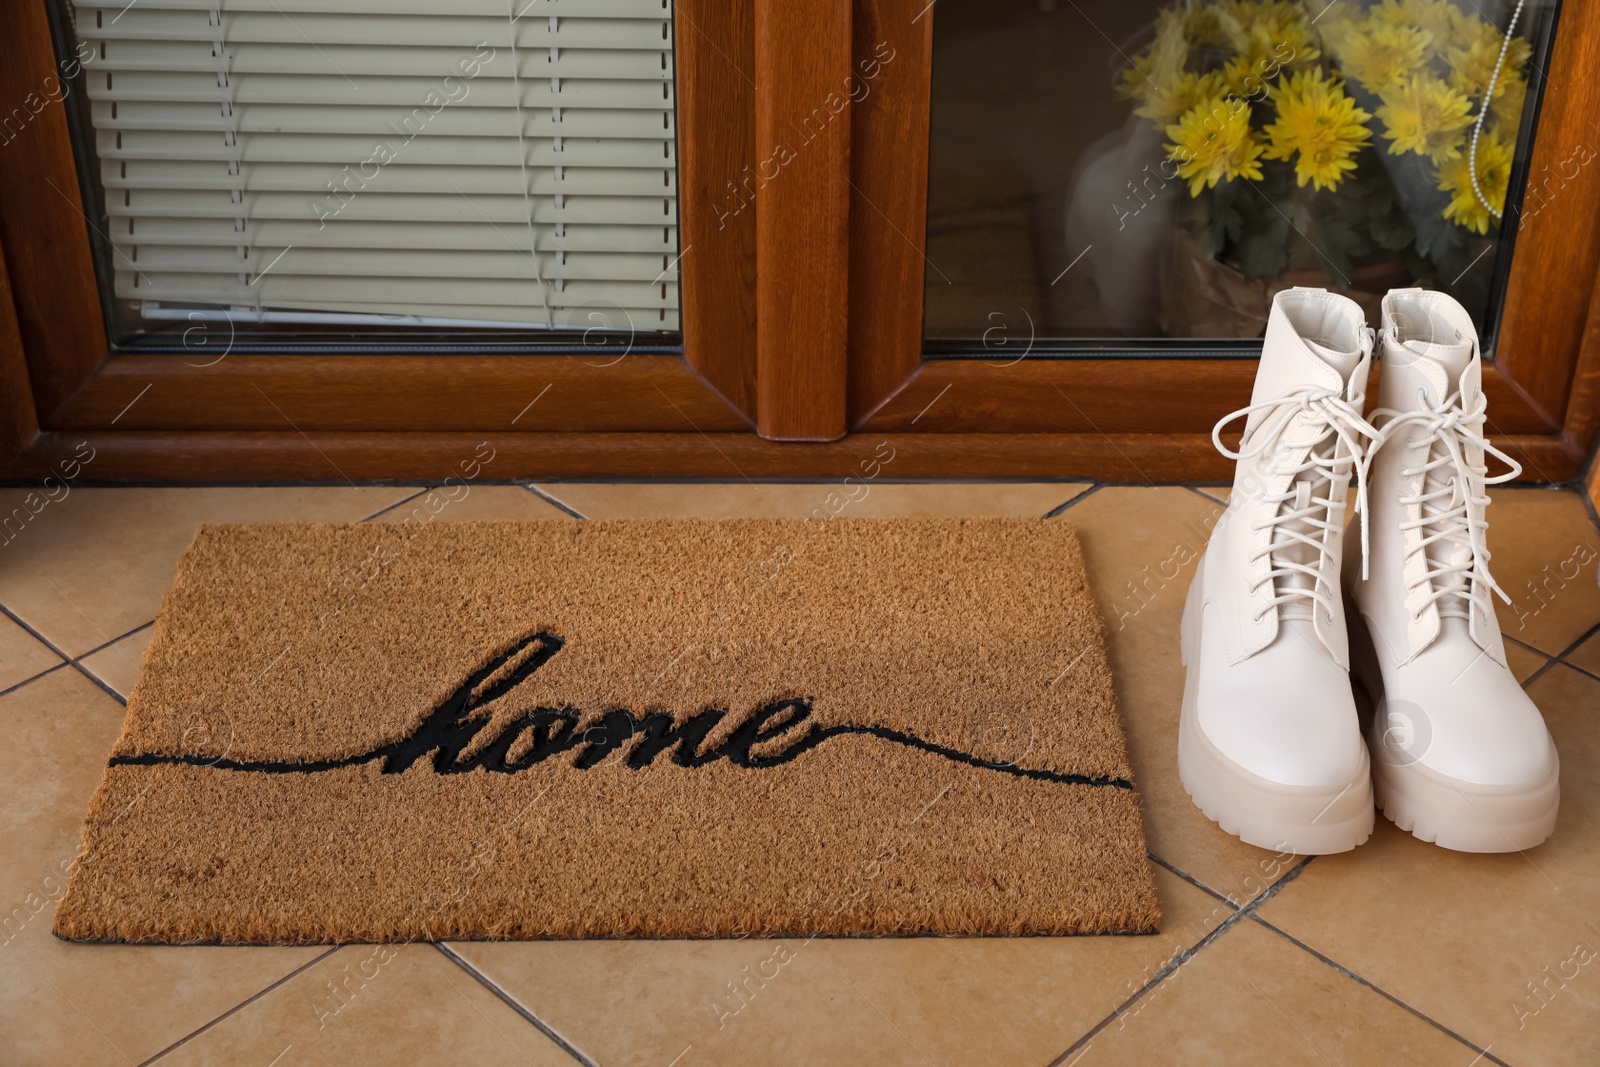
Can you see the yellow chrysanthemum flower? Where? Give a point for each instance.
(1244, 79)
(1507, 106)
(1472, 64)
(1167, 102)
(1436, 18)
(1425, 116)
(1203, 23)
(1269, 36)
(1214, 142)
(1318, 121)
(1157, 65)
(1494, 175)
(1380, 55)
(1337, 23)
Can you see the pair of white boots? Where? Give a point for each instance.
(1271, 744)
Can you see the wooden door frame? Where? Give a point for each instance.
(749, 290)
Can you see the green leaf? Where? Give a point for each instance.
(1262, 252)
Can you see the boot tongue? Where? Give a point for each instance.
(1344, 364)
(1437, 368)
(1297, 552)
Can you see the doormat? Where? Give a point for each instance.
(618, 729)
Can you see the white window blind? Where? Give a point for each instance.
(459, 161)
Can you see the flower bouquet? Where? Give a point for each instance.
(1358, 144)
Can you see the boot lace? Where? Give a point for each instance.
(1451, 501)
(1303, 519)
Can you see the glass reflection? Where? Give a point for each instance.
(1142, 172)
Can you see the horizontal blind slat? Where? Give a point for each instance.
(439, 263)
(341, 150)
(353, 62)
(537, 90)
(500, 9)
(311, 179)
(593, 316)
(290, 290)
(410, 181)
(380, 236)
(397, 210)
(139, 23)
(381, 121)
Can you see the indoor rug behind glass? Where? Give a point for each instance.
(618, 729)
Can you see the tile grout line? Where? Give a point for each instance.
(242, 1005)
(114, 640)
(1560, 658)
(1208, 496)
(70, 662)
(398, 503)
(34, 678)
(1531, 648)
(1191, 879)
(552, 501)
(1076, 500)
(511, 1002)
(1353, 976)
(1583, 671)
(1579, 643)
(1172, 966)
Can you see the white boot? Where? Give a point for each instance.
(1460, 754)
(1269, 745)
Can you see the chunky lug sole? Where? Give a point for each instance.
(1306, 820)
(1467, 817)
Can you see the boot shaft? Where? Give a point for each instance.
(1277, 545)
(1428, 496)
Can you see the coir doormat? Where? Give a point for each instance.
(618, 729)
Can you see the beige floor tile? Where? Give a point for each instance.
(72, 1003)
(1523, 662)
(374, 1004)
(95, 564)
(21, 654)
(1587, 655)
(1546, 555)
(1140, 545)
(473, 503)
(118, 664)
(1252, 997)
(1460, 937)
(888, 1001)
(859, 499)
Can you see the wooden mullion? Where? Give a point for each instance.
(800, 189)
(714, 55)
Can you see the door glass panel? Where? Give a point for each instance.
(369, 170)
(1145, 176)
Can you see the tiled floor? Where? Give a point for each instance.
(1399, 952)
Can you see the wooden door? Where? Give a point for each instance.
(999, 406)
(803, 173)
